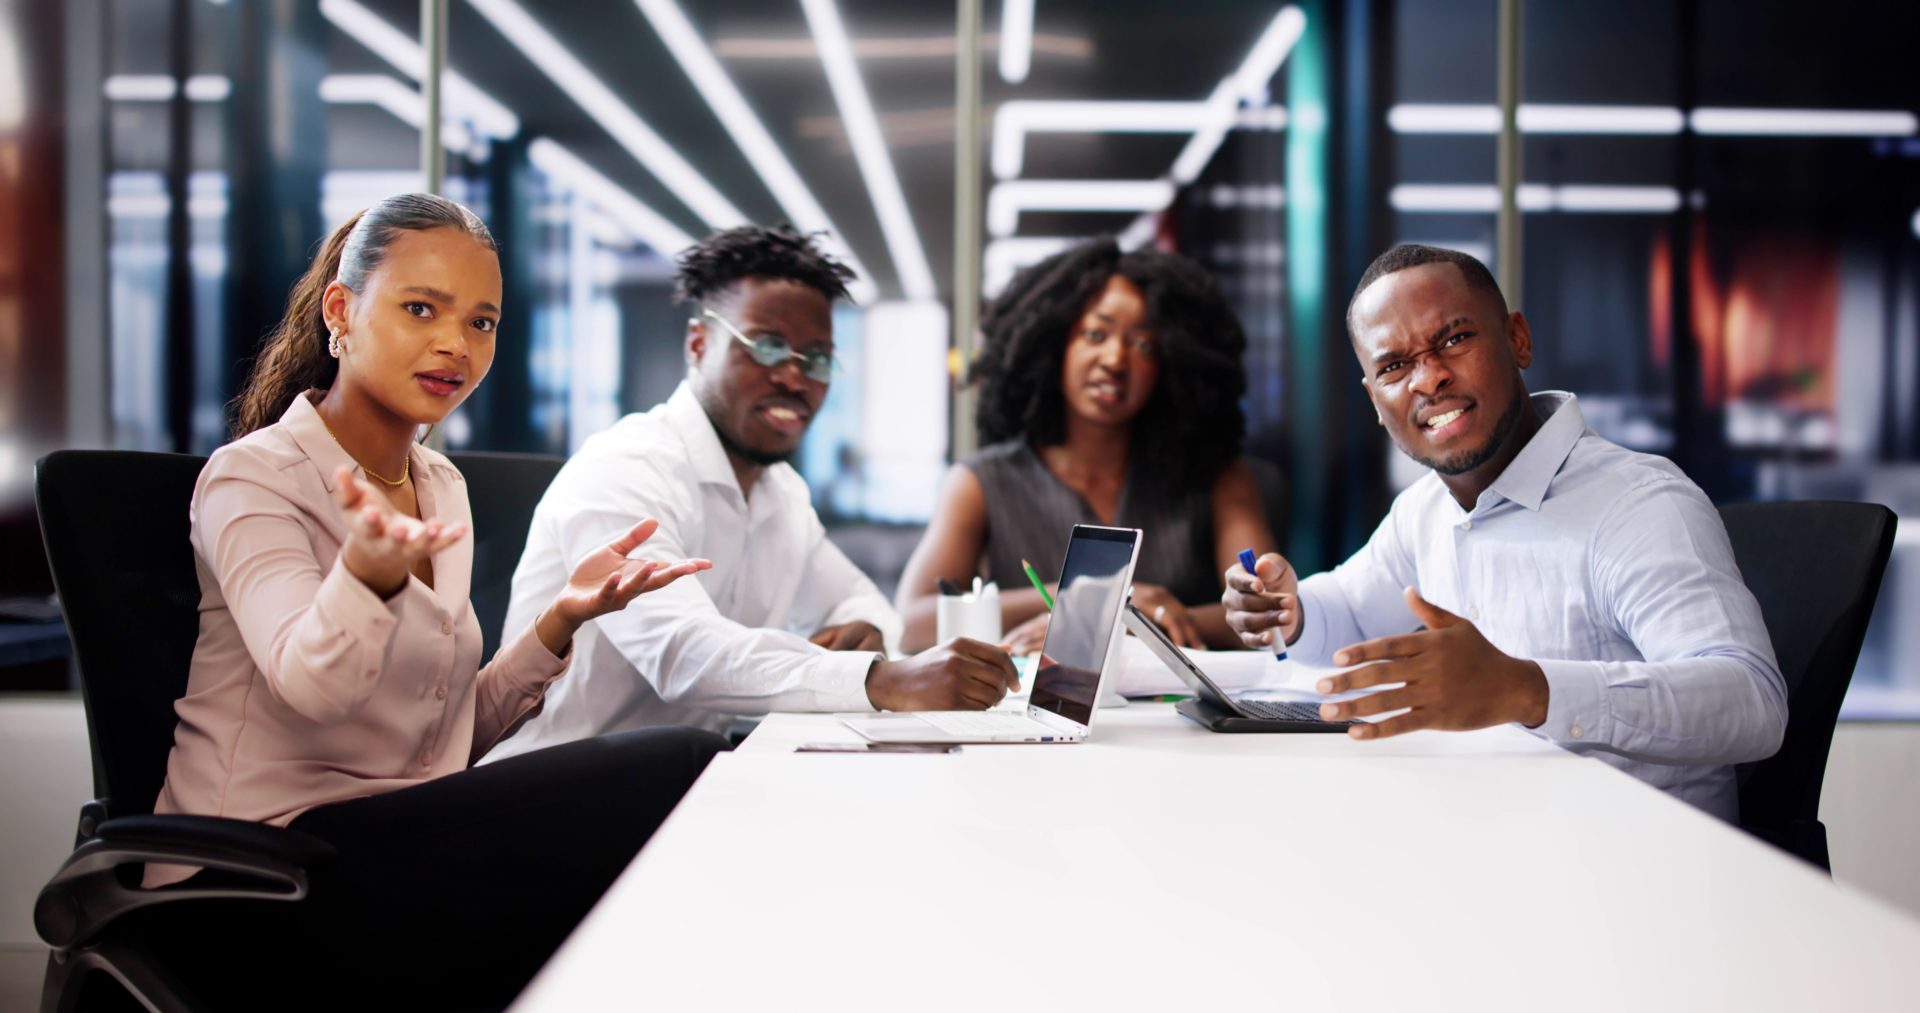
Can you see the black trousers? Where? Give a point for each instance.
(452, 893)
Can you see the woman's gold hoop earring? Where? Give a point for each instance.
(335, 346)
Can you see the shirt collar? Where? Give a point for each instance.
(689, 421)
(303, 423)
(1531, 471)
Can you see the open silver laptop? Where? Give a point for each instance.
(1094, 584)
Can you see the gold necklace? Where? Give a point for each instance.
(406, 463)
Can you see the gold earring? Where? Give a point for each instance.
(335, 345)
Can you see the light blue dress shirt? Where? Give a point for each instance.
(1610, 569)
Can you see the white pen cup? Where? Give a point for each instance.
(975, 614)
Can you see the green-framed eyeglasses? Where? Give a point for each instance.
(771, 350)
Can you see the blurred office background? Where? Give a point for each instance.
(1719, 210)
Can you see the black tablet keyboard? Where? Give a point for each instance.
(1276, 710)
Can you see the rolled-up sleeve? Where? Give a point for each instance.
(318, 635)
(1708, 690)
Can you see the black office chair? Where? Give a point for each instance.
(115, 528)
(1815, 568)
(503, 489)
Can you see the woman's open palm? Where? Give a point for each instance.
(383, 544)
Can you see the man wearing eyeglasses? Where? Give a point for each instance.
(783, 621)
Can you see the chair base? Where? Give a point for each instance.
(65, 987)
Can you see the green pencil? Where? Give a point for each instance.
(1037, 585)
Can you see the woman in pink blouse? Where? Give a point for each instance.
(337, 686)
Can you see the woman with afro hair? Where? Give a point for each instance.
(1110, 388)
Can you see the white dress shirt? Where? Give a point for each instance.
(725, 642)
(1611, 570)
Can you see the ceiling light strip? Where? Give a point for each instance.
(1008, 199)
(1247, 83)
(404, 53)
(1416, 118)
(870, 149)
(617, 118)
(747, 131)
(570, 173)
(1020, 117)
(1016, 40)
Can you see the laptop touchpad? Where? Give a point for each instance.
(885, 727)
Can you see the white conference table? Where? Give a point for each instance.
(1161, 866)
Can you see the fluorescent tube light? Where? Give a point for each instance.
(1443, 119)
(1247, 83)
(159, 88)
(1560, 119)
(1651, 121)
(1804, 122)
(405, 54)
(1008, 199)
(1016, 40)
(870, 149)
(570, 173)
(750, 134)
(1018, 118)
(1485, 199)
(389, 93)
(617, 118)
(1003, 258)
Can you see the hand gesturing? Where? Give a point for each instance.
(383, 544)
(606, 581)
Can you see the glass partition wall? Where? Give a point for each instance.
(1720, 206)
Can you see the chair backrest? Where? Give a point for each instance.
(503, 490)
(1815, 568)
(115, 528)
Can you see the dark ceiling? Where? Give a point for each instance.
(1132, 49)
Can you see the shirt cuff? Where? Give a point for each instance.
(353, 607)
(841, 679)
(1312, 646)
(525, 666)
(1578, 711)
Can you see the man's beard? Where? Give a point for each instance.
(740, 450)
(710, 403)
(1467, 460)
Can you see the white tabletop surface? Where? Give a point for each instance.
(1161, 866)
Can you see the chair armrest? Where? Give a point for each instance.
(100, 881)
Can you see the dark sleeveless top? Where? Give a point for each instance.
(1031, 514)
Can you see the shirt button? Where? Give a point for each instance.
(1576, 731)
(446, 627)
(1467, 525)
(1474, 614)
(440, 692)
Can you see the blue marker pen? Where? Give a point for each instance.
(1246, 563)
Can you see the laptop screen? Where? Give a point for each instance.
(1093, 583)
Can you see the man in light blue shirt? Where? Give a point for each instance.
(1566, 584)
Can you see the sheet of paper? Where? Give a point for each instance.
(1253, 674)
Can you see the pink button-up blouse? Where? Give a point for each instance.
(306, 687)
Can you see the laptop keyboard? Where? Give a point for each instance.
(1278, 710)
(985, 723)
